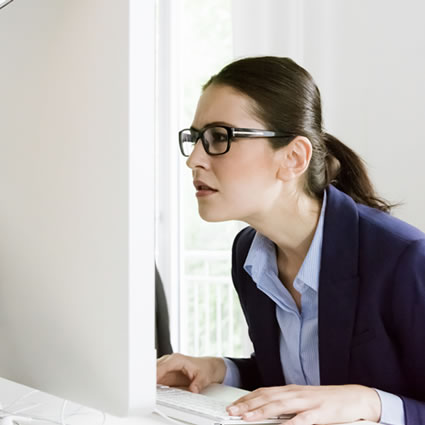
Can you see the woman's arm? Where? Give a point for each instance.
(408, 323)
(249, 375)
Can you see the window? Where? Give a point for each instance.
(211, 317)
(206, 318)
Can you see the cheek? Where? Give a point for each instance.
(248, 187)
(246, 183)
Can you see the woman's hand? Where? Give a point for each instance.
(178, 370)
(310, 404)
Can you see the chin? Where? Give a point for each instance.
(213, 216)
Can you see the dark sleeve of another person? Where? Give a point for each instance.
(162, 321)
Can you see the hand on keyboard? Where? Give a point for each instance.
(184, 402)
(326, 404)
(196, 373)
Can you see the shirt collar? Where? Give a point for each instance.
(261, 258)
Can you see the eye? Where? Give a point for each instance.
(219, 137)
(216, 135)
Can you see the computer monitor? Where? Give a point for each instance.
(77, 200)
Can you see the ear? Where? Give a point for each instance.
(295, 159)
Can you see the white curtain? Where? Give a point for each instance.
(270, 27)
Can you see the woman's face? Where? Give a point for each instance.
(244, 180)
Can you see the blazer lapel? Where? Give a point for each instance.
(338, 287)
(264, 331)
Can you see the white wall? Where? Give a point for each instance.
(368, 59)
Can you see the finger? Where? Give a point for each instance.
(200, 381)
(175, 367)
(259, 391)
(174, 379)
(160, 365)
(247, 405)
(257, 399)
(272, 409)
(161, 371)
(169, 363)
(269, 410)
(273, 403)
(308, 417)
(249, 396)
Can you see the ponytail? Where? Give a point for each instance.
(347, 172)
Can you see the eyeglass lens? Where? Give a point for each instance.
(215, 140)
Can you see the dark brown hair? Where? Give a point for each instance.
(286, 98)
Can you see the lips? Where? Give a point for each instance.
(200, 185)
(203, 189)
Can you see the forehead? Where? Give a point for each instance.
(223, 104)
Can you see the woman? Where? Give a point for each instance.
(332, 286)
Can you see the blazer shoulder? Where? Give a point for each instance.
(241, 245)
(242, 242)
(371, 222)
(375, 221)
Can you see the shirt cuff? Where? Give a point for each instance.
(392, 409)
(233, 377)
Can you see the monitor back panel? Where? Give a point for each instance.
(76, 202)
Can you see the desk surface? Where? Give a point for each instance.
(50, 407)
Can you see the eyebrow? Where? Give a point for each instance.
(214, 123)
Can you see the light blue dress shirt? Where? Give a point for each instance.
(299, 339)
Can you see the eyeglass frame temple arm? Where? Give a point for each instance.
(242, 132)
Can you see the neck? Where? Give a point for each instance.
(290, 224)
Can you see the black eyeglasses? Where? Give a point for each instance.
(216, 139)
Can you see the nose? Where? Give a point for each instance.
(198, 158)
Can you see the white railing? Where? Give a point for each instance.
(212, 320)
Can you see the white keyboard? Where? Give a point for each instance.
(177, 400)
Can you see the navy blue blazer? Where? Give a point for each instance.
(371, 306)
